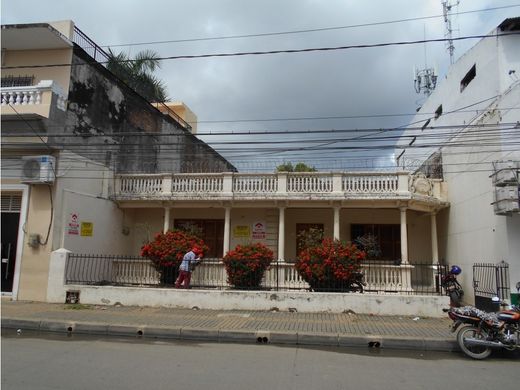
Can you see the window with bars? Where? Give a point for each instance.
(11, 203)
(17, 81)
(387, 236)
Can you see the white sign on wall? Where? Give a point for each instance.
(259, 230)
(73, 225)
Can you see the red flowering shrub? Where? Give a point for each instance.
(246, 264)
(168, 249)
(329, 266)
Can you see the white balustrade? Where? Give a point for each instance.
(381, 277)
(197, 183)
(19, 97)
(255, 183)
(281, 184)
(313, 183)
(33, 95)
(134, 272)
(377, 183)
(141, 184)
(212, 273)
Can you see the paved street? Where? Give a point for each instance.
(91, 362)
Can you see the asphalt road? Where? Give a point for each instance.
(59, 362)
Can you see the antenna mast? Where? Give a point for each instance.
(424, 80)
(446, 10)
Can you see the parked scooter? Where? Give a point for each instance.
(357, 282)
(484, 331)
(452, 286)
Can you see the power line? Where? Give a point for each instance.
(285, 51)
(102, 133)
(306, 30)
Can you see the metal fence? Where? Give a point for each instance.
(491, 280)
(379, 276)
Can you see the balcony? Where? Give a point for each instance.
(295, 187)
(38, 99)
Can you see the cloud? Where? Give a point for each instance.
(321, 84)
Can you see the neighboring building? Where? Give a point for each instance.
(179, 109)
(467, 133)
(69, 125)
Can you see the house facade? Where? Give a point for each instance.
(69, 125)
(467, 132)
(91, 167)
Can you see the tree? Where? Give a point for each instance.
(137, 73)
(300, 167)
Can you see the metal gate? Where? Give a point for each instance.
(490, 280)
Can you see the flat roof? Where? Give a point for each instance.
(36, 36)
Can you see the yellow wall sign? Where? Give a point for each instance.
(87, 229)
(241, 231)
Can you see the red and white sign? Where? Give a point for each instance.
(73, 226)
(259, 230)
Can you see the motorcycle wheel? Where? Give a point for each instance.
(356, 287)
(455, 298)
(475, 351)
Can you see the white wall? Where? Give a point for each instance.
(470, 232)
(82, 190)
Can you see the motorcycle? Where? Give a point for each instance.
(452, 286)
(482, 331)
(357, 282)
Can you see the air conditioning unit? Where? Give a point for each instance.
(506, 200)
(38, 169)
(505, 173)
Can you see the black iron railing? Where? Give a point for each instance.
(101, 56)
(378, 276)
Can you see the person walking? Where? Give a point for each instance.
(189, 261)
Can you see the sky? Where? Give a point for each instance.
(312, 107)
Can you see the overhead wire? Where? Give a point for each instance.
(281, 51)
(311, 30)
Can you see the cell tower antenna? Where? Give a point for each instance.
(447, 5)
(425, 79)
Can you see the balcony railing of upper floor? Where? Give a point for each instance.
(327, 185)
(33, 99)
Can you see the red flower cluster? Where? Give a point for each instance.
(168, 249)
(246, 264)
(330, 264)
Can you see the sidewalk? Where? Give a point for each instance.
(327, 329)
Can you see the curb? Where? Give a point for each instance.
(237, 336)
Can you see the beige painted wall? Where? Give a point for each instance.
(60, 74)
(146, 222)
(34, 266)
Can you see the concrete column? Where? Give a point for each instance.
(166, 219)
(435, 245)
(56, 288)
(404, 237)
(227, 229)
(281, 234)
(336, 222)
